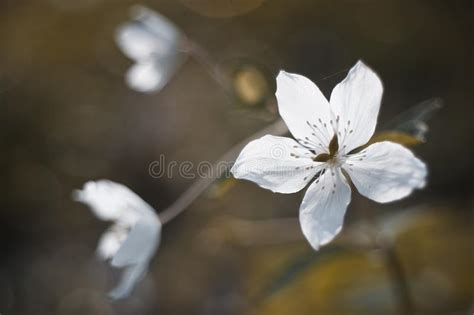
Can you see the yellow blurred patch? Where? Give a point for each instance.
(433, 244)
(400, 137)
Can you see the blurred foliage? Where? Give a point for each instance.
(395, 136)
(435, 248)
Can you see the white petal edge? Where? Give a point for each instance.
(386, 171)
(305, 110)
(270, 162)
(130, 277)
(138, 43)
(147, 77)
(111, 241)
(108, 200)
(140, 244)
(135, 254)
(355, 104)
(323, 208)
(148, 35)
(158, 24)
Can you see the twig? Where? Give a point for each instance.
(397, 274)
(399, 281)
(200, 185)
(203, 57)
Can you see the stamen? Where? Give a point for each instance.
(315, 128)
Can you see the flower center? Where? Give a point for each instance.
(331, 157)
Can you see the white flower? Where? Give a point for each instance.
(327, 134)
(132, 240)
(152, 41)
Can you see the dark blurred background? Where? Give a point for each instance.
(67, 117)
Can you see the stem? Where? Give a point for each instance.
(399, 281)
(200, 185)
(397, 274)
(204, 58)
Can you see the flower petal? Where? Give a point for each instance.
(108, 200)
(149, 34)
(386, 171)
(276, 163)
(355, 103)
(305, 111)
(133, 248)
(111, 241)
(138, 43)
(324, 206)
(141, 243)
(158, 24)
(135, 254)
(130, 277)
(148, 76)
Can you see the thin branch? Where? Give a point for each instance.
(203, 57)
(399, 281)
(394, 266)
(217, 170)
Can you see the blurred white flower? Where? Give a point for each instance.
(132, 240)
(327, 134)
(153, 42)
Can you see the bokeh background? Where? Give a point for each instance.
(67, 117)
